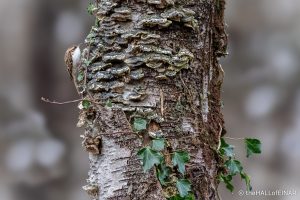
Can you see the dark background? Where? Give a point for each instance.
(41, 155)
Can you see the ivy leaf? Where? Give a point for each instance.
(226, 149)
(86, 104)
(228, 182)
(87, 62)
(163, 173)
(91, 8)
(190, 196)
(183, 186)
(177, 197)
(234, 166)
(139, 124)
(247, 180)
(80, 77)
(149, 158)
(109, 103)
(253, 146)
(179, 159)
(158, 144)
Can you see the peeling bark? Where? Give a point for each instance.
(155, 59)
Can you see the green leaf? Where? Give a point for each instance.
(190, 196)
(91, 8)
(177, 197)
(228, 182)
(234, 166)
(253, 146)
(149, 158)
(183, 186)
(87, 62)
(80, 77)
(226, 149)
(179, 159)
(108, 103)
(139, 124)
(163, 173)
(158, 144)
(247, 180)
(86, 104)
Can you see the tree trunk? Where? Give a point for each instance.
(155, 60)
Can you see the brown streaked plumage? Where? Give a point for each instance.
(69, 60)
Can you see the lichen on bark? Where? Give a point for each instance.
(156, 60)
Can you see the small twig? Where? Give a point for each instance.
(231, 138)
(60, 103)
(121, 132)
(68, 102)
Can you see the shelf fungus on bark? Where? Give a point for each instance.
(154, 21)
(121, 14)
(137, 74)
(92, 144)
(122, 57)
(184, 15)
(149, 114)
(91, 190)
(105, 7)
(161, 3)
(165, 19)
(170, 191)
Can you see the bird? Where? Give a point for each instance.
(72, 59)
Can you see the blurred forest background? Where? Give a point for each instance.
(41, 155)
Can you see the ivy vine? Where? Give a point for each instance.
(233, 166)
(171, 176)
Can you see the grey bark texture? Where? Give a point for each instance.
(156, 60)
